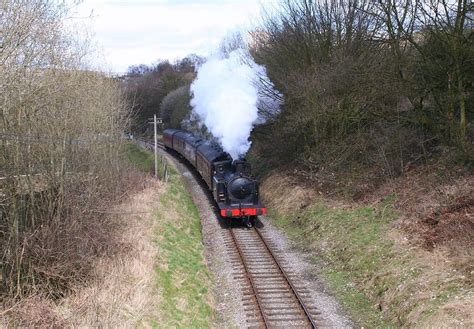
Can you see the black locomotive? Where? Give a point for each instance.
(235, 192)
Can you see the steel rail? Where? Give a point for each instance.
(149, 144)
(249, 277)
(290, 283)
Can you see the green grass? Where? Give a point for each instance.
(182, 276)
(350, 247)
(139, 158)
(144, 160)
(377, 283)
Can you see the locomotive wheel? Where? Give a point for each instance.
(226, 221)
(248, 221)
(252, 220)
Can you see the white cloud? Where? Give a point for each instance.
(135, 32)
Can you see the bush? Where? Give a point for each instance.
(147, 86)
(176, 106)
(60, 136)
(360, 93)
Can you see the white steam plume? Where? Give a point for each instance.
(225, 99)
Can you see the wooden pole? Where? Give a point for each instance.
(156, 145)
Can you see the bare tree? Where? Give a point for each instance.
(388, 77)
(60, 138)
(438, 33)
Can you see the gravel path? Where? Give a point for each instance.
(227, 292)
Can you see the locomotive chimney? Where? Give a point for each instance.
(241, 166)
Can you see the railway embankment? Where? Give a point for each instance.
(181, 273)
(402, 256)
(181, 279)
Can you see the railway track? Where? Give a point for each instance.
(273, 297)
(148, 144)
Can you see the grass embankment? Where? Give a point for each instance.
(144, 160)
(351, 249)
(374, 271)
(138, 157)
(182, 276)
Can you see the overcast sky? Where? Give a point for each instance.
(144, 31)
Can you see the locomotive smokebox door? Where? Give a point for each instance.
(241, 188)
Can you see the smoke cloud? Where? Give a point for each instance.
(225, 99)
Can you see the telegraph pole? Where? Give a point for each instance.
(156, 145)
(155, 123)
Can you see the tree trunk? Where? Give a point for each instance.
(462, 108)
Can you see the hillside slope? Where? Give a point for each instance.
(401, 255)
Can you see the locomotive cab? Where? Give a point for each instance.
(221, 167)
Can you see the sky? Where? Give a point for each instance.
(130, 32)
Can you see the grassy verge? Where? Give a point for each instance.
(138, 157)
(182, 276)
(378, 282)
(143, 160)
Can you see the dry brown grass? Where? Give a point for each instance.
(436, 211)
(424, 189)
(439, 276)
(121, 291)
(281, 193)
(462, 307)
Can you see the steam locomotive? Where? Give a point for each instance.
(235, 192)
